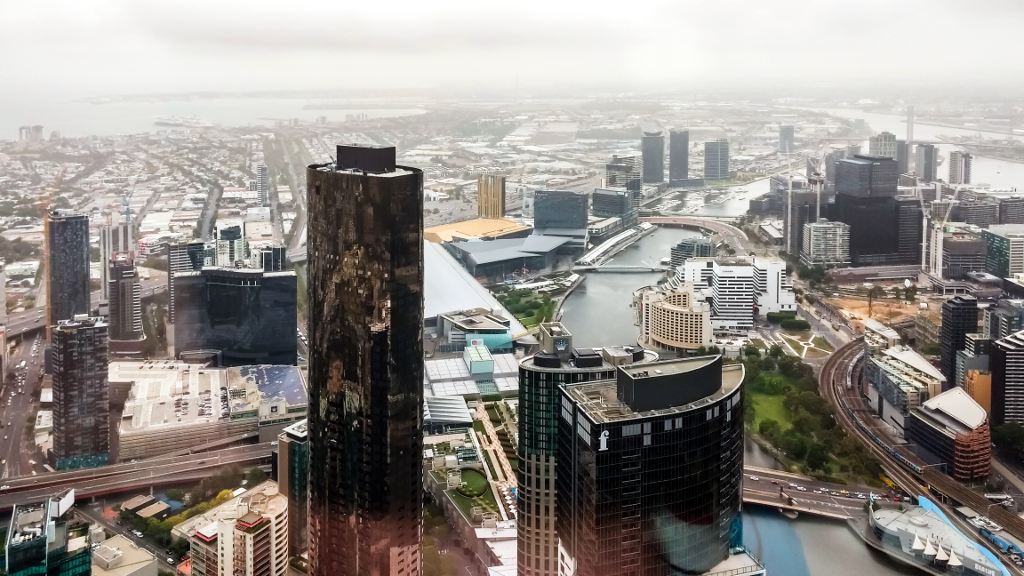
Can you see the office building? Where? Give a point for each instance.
(908, 230)
(716, 159)
(1003, 318)
(115, 237)
(1004, 249)
(952, 429)
(490, 196)
(263, 185)
(1007, 363)
(787, 139)
(559, 209)
(651, 469)
(865, 199)
(960, 167)
(740, 289)
(269, 258)
(825, 244)
(927, 164)
(902, 156)
(120, 556)
(1011, 210)
(236, 316)
(230, 246)
(125, 297)
(954, 250)
(974, 356)
(978, 385)
(882, 145)
(693, 247)
(185, 257)
(673, 318)
(67, 245)
(652, 148)
(540, 377)
(678, 156)
(866, 177)
(245, 536)
(292, 479)
(365, 364)
(45, 538)
(624, 172)
(81, 409)
(959, 318)
(982, 212)
(898, 379)
(612, 203)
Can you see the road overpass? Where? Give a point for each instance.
(20, 323)
(731, 234)
(621, 269)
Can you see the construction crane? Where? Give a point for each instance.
(935, 266)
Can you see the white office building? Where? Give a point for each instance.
(739, 289)
(882, 144)
(826, 243)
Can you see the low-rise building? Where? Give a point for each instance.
(119, 556)
(952, 429)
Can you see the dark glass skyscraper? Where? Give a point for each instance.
(125, 295)
(236, 315)
(559, 209)
(652, 147)
(959, 318)
(67, 289)
(865, 199)
(365, 365)
(293, 480)
(678, 155)
(185, 257)
(81, 413)
(540, 376)
(651, 469)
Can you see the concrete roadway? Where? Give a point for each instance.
(760, 484)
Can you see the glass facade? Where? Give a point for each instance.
(678, 155)
(652, 147)
(67, 288)
(366, 365)
(81, 412)
(959, 318)
(559, 209)
(245, 316)
(648, 494)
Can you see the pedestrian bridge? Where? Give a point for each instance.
(621, 269)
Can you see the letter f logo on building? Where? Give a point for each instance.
(603, 441)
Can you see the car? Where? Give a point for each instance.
(801, 488)
(755, 478)
(170, 561)
(5, 487)
(861, 497)
(5, 436)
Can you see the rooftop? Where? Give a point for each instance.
(911, 358)
(119, 556)
(475, 228)
(299, 430)
(918, 526)
(955, 409)
(490, 251)
(600, 402)
(263, 498)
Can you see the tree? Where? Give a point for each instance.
(768, 428)
(910, 293)
(776, 351)
(751, 351)
(874, 292)
(1009, 437)
(817, 457)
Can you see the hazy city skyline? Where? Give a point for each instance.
(109, 47)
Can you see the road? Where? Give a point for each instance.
(16, 448)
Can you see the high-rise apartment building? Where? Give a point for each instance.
(651, 470)
(787, 139)
(365, 365)
(1003, 318)
(678, 155)
(908, 230)
(959, 318)
(902, 156)
(960, 167)
(624, 172)
(1007, 363)
(975, 355)
(740, 288)
(293, 480)
(882, 145)
(125, 293)
(801, 208)
(236, 316)
(540, 376)
(652, 148)
(115, 237)
(693, 247)
(490, 196)
(185, 257)
(230, 245)
(67, 246)
(826, 244)
(81, 406)
(263, 185)
(1004, 255)
(927, 164)
(716, 159)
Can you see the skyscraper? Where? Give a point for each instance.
(490, 190)
(230, 245)
(263, 185)
(1004, 253)
(67, 289)
(882, 145)
(787, 139)
(652, 146)
(186, 257)
(902, 156)
(115, 236)
(293, 479)
(651, 470)
(825, 243)
(1007, 362)
(81, 413)
(865, 199)
(125, 300)
(365, 365)
(908, 229)
(678, 155)
(623, 172)
(960, 167)
(540, 375)
(959, 318)
(927, 164)
(716, 159)
(1011, 210)
(46, 538)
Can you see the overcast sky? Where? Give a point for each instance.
(96, 47)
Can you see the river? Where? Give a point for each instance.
(598, 314)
